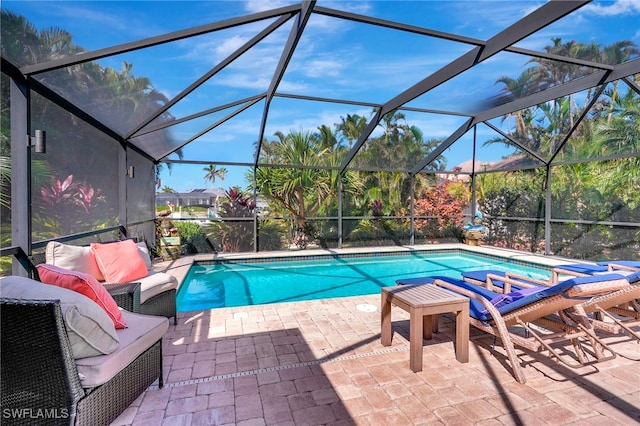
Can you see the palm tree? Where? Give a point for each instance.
(23, 44)
(352, 127)
(301, 191)
(167, 190)
(214, 172)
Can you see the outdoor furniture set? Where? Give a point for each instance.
(74, 350)
(546, 313)
(157, 289)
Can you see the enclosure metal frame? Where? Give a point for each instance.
(23, 81)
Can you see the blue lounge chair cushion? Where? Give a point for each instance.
(478, 311)
(629, 263)
(506, 298)
(481, 275)
(583, 268)
(633, 278)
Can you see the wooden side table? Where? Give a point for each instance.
(424, 303)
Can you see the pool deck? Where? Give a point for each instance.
(321, 362)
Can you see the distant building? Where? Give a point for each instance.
(193, 197)
(463, 171)
(210, 198)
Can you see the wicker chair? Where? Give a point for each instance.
(40, 380)
(163, 304)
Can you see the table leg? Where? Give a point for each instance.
(385, 328)
(427, 326)
(415, 340)
(462, 334)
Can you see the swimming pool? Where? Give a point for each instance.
(242, 283)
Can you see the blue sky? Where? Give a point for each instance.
(335, 59)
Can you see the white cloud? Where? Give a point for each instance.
(255, 6)
(324, 68)
(229, 45)
(619, 7)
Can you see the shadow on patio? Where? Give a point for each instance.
(321, 362)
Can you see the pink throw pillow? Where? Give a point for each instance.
(84, 284)
(120, 262)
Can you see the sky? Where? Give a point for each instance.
(335, 59)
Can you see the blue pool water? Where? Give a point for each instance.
(241, 284)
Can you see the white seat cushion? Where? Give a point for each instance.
(142, 333)
(90, 330)
(156, 283)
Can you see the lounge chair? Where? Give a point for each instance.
(586, 269)
(500, 281)
(622, 265)
(577, 270)
(494, 313)
(623, 302)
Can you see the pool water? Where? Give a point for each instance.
(241, 284)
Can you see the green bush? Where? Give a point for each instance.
(191, 235)
(271, 236)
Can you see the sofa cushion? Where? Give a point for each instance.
(156, 283)
(120, 262)
(143, 332)
(144, 252)
(84, 284)
(90, 330)
(73, 258)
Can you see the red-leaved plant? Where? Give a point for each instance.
(438, 200)
(66, 207)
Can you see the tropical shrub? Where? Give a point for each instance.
(68, 207)
(235, 236)
(192, 237)
(446, 207)
(271, 236)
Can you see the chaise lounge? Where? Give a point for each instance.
(586, 269)
(494, 312)
(614, 305)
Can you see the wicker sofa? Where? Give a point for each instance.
(157, 289)
(46, 381)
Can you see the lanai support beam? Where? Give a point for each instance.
(442, 147)
(540, 18)
(155, 41)
(287, 53)
(213, 126)
(20, 168)
(587, 82)
(213, 71)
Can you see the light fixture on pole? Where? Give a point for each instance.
(39, 141)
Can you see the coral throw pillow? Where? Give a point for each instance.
(84, 284)
(120, 262)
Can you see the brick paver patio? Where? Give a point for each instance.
(321, 362)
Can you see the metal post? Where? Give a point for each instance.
(547, 213)
(20, 175)
(256, 238)
(340, 210)
(473, 174)
(412, 183)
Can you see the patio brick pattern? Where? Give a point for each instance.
(321, 362)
